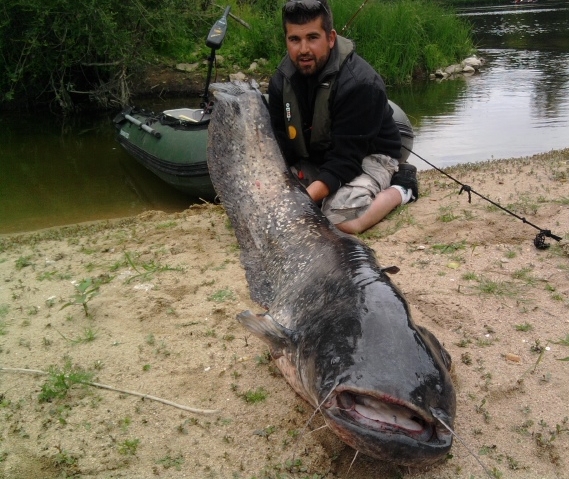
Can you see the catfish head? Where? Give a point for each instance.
(378, 379)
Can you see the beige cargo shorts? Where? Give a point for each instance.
(354, 198)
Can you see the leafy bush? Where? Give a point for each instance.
(64, 50)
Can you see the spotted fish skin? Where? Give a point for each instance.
(337, 327)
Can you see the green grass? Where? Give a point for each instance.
(221, 296)
(23, 261)
(61, 380)
(466, 358)
(168, 461)
(145, 269)
(52, 275)
(4, 309)
(89, 335)
(255, 396)
(463, 343)
(525, 327)
(524, 275)
(166, 225)
(66, 461)
(396, 38)
(470, 276)
(265, 358)
(128, 447)
(446, 214)
(496, 288)
(525, 205)
(562, 341)
(449, 247)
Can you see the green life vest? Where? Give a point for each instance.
(320, 138)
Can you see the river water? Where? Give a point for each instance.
(53, 174)
(517, 105)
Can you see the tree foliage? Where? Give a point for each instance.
(64, 50)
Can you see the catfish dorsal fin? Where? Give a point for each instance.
(266, 328)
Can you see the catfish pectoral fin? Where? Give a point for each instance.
(437, 346)
(266, 328)
(391, 269)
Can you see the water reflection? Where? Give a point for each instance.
(529, 26)
(518, 105)
(422, 102)
(54, 173)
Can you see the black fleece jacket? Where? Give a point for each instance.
(361, 119)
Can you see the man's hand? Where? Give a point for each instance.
(318, 190)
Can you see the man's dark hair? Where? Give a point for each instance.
(299, 12)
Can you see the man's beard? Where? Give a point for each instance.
(314, 67)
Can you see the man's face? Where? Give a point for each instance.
(308, 46)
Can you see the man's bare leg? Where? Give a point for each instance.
(383, 204)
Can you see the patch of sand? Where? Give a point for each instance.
(162, 322)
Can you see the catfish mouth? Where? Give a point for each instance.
(386, 415)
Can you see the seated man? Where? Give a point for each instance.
(331, 117)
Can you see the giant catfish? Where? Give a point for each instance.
(339, 330)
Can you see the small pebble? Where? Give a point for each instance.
(513, 357)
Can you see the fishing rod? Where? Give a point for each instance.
(353, 16)
(539, 240)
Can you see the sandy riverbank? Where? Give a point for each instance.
(159, 319)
